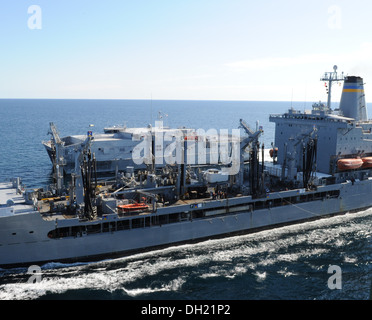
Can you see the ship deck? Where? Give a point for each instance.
(12, 202)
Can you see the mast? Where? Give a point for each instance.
(331, 77)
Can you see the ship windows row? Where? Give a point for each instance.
(141, 222)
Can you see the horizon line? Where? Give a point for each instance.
(150, 99)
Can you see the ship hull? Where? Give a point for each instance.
(21, 247)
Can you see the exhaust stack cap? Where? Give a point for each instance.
(353, 103)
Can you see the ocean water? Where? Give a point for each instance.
(25, 123)
(288, 263)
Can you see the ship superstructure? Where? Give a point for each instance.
(320, 164)
(340, 135)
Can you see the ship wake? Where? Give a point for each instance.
(293, 257)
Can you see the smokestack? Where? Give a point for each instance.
(353, 103)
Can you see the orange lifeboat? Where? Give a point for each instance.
(132, 207)
(367, 162)
(349, 164)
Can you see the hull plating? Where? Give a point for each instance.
(20, 247)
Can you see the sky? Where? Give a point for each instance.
(182, 50)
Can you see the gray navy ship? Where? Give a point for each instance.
(319, 165)
(114, 147)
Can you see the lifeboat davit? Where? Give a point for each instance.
(367, 162)
(133, 207)
(349, 164)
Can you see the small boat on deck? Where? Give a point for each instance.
(132, 207)
(350, 164)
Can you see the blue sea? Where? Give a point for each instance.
(289, 263)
